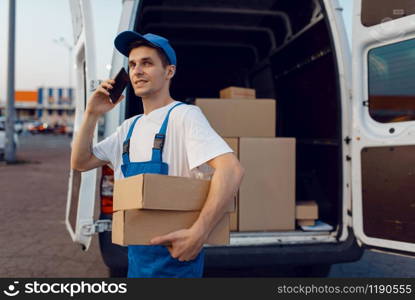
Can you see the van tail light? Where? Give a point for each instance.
(107, 187)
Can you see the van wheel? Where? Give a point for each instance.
(117, 273)
(313, 270)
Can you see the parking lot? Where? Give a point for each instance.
(34, 239)
(35, 242)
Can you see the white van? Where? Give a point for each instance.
(352, 117)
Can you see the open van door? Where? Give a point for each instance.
(383, 125)
(82, 186)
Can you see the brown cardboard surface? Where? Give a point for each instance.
(267, 192)
(234, 144)
(162, 192)
(117, 230)
(234, 92)
(233, 216)
(235, 118)
(305, 222)
(307, 210)
(138, 227)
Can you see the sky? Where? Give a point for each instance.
(39, 60)
(42, 62)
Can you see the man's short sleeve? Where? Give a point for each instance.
(201, 140)
(108, 148)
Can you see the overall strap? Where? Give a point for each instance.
(160, 137)
(126, 144)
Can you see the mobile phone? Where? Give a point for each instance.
(121, 81)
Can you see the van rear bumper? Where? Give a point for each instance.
(240, 257)
(277, 255)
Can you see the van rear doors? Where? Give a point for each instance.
(82, 189)
(383, 125)
(82, 186)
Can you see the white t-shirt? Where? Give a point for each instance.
(190, 141)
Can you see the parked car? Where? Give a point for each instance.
(69, 129)
(3, 142)
(59, 129)
(18, 124)
(39, 127)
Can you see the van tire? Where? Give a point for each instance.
(117, 273)
(322, 270)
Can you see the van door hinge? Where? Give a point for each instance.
(98, 226)
(348, 158)
(365, 103)
(93, 84)
(347, 140)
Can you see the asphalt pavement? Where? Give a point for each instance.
(34, 240)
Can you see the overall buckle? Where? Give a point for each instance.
(126, 147)
(159, 141)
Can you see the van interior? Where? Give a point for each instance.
(281, 48)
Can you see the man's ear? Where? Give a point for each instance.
(171, 71)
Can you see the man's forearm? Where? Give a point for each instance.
(223, 187)
(82, 143)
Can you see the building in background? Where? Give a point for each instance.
(26, 104)
(55, 105)
(49, 105)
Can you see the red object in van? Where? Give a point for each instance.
(106, 189)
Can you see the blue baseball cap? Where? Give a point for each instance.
(124, 39)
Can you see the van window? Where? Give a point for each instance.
(379, 11)
(391, 82)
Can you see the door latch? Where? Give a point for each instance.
(94, 84)
(97, 227)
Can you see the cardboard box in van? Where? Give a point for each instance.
(306, 222)
(267, 192)
(155, 191)
(234, 144)
(306, 212)
(234, 92)
(234, 118)
(138, 227)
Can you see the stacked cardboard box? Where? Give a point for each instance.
(267, 193)
(150, 205)
(234, 92)
(266, 198)
(306, 212)
(237, 118)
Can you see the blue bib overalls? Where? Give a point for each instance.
(147, 261)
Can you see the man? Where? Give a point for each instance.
(169, 138)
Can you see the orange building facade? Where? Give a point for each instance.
(50, 105)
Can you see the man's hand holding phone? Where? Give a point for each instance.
(108, 94)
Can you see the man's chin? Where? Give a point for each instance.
(142, 92)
